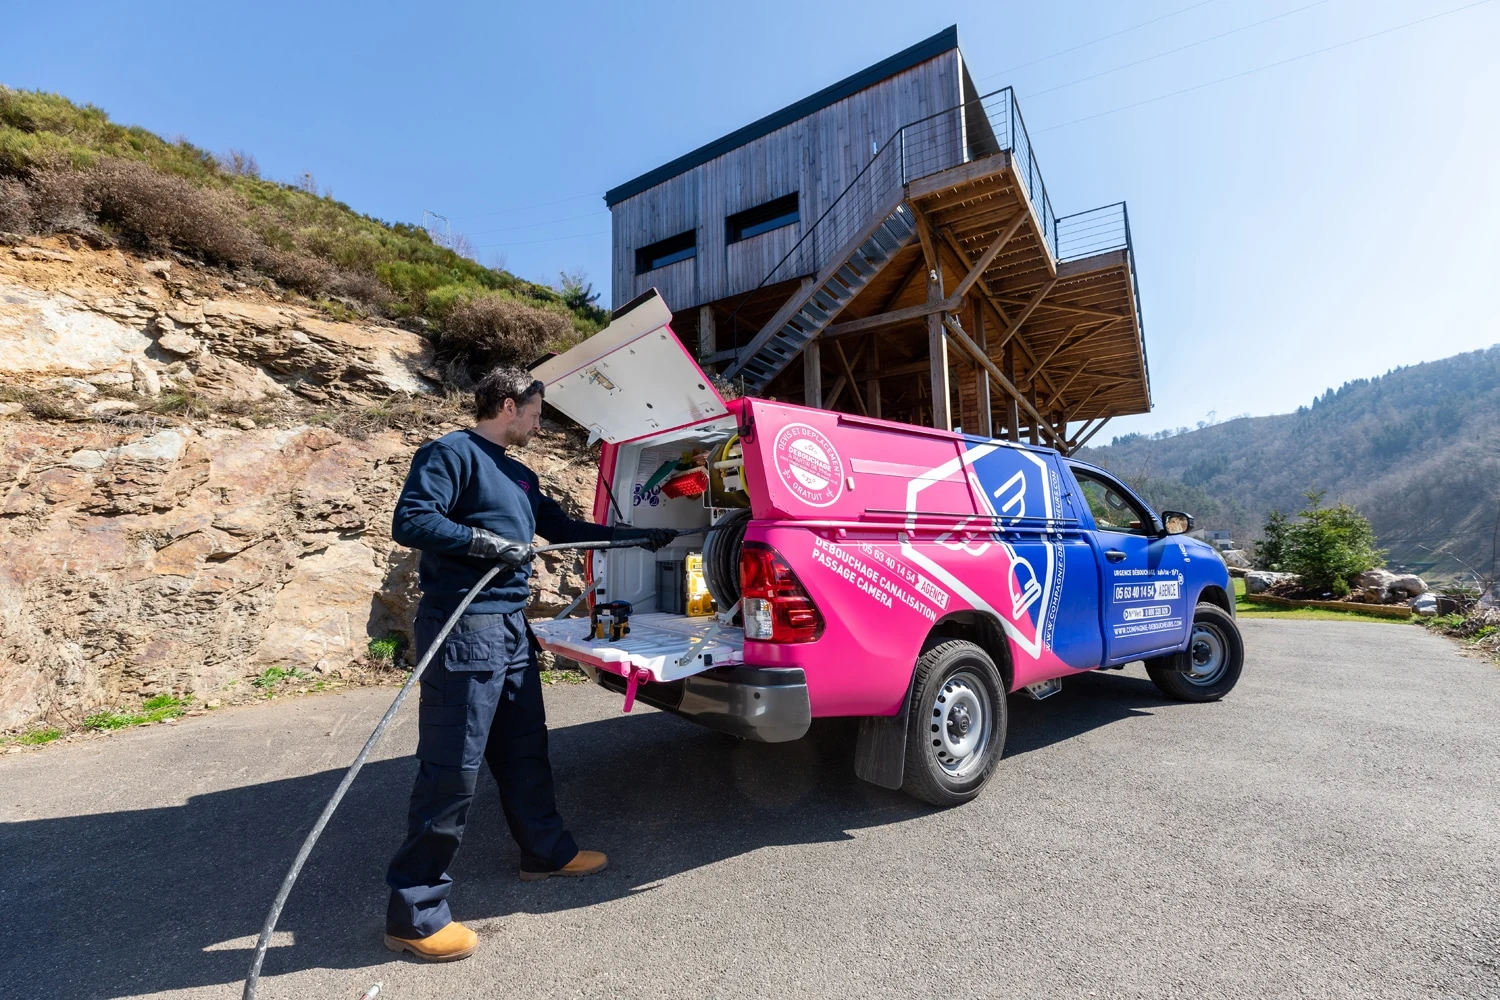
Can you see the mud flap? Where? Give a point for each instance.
(880, 753)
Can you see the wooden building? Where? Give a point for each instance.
(887, 246)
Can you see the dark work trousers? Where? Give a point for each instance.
(481, 698)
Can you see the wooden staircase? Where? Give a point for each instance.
(807, 313)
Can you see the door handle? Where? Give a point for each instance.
(1114, 555)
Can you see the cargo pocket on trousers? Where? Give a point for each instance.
(447, 734)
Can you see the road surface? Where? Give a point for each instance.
(1332, 829)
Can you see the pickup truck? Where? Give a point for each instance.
(835, 565)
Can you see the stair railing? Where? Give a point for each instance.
(969, 131)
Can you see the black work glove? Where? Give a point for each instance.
(655, 537)
(487, 545)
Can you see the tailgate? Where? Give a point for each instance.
(661, 647)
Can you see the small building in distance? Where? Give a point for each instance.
(887, 246)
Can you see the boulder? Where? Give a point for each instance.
(41, 254)
(1424, 605)
(143, 379)
(1258, 581)
(1410, 585)
(1385, 587)
(157, 267)
(179, 343)
(75, 387)
(1236, 558)
(110, 407)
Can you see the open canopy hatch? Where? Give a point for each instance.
(632, 378)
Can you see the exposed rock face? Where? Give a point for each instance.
(104, 314)
(186, 559)
(142, 554)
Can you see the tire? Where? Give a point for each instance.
(1210, 667)
(955, 724)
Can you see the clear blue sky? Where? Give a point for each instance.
(1304, 224)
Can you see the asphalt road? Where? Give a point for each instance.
(1332, 829)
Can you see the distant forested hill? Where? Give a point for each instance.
(1417, 450)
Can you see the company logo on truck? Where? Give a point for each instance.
(808, 465)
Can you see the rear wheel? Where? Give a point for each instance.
(1210, 666)
(956, 723)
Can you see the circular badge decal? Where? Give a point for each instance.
(809, 465)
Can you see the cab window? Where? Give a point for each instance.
(1113, 508)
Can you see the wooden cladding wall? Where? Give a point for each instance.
(817, 156)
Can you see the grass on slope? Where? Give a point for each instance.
(66, 168)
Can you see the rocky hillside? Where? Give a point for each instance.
(1417, 450)
(196, 480)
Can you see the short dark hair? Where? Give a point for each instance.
(500, 384)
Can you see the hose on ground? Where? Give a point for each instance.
(253, 979)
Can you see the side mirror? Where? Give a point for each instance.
(1177, 522)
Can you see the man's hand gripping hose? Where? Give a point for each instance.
(486, 545)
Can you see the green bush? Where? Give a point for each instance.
(1270, 551)
(1329, 546)
(387, 647)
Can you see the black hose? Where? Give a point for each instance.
(359, 761)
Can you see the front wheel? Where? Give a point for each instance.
(1210, 666)
(955, 729)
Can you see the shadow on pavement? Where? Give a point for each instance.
(136, 902)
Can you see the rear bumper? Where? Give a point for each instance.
(768, 705)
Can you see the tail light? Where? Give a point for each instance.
(776, 607)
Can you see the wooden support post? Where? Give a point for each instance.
(963, 340)
(1030, 307)
(1084, 439)
(708, 332)
(985, 427)
(838, 349)
(872, 383)
(988, 257)
(937, 337)
(812, 374)
(937, 351)
(1036, 419)
(1012, 405)
(1083, 433)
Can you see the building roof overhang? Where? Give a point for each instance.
(943, 41)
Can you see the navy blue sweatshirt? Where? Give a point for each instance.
(460, 482)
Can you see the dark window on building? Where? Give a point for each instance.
(667, 251)
(762, 218)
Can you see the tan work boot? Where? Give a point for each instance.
(583, 863)
(450, 944)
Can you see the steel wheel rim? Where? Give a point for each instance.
(1208, 654)
(959, 724)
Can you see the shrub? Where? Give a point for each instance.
(59, 199)
(1270, 551)
(156, 211)
(387, 647)
(15, 207)
(490, 330)
(1329, 546)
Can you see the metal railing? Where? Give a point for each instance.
(970, 131)
(1099, 230)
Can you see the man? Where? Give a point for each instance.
(467, 505)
